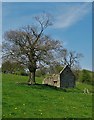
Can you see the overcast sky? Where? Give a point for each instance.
(72, 23)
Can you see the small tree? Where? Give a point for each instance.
(30, 47)
(55, 68)
(70, 58)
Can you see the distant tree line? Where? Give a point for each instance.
(87, 77)
(13, 68)
(84, 76)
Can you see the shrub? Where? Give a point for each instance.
(86, 77)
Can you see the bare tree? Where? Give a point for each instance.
(70, 58)
(30, 46)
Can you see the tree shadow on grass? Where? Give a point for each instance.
(41, 86)
(49, 87)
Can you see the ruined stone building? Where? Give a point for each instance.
(65, 79)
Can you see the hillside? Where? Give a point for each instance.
(40, 101)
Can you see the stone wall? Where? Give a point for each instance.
(53, 80)
(65, 79)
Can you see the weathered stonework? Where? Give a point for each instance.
(65, 79)
(53, 80)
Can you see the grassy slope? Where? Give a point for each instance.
(0, 95)
(23, 101)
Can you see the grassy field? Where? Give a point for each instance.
(39, 101)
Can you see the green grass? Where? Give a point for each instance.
(39, 101)
(0, 95)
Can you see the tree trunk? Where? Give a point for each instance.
(31, 78)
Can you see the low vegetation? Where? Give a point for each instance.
(41, 101)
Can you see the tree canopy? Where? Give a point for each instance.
(30, 46)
